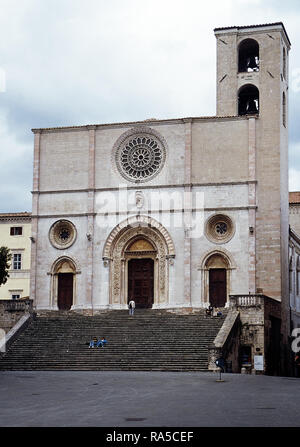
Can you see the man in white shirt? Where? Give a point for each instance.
(131, 306)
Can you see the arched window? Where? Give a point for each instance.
(248, 100)
(298, 276)
(284, 63)
(248, 56)
(283, 109)
(291, 288)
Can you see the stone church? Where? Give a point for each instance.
(179, 213)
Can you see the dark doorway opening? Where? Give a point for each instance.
(245, 358)
(65, 291)
(141, 282)
(273, 353)
(217, 287)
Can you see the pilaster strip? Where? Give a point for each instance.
(90, 217)
(35, 211)
(252, 203)
(187, 211)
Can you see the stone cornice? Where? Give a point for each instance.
(154, 122)
(141, 186)
(17, 218)
(155, 211)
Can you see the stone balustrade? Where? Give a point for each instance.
(247, 300)
(12, 310)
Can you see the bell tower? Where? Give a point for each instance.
(252, 69)
(252, 83)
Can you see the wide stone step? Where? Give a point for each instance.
(151, 340)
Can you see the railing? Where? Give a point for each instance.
(246, 300)
(17, 305)
(226, 343)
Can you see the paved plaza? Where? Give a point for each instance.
(146, 399)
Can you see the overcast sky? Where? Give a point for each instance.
(76, 62)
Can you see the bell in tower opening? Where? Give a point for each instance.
(248, 56)
(248, 100)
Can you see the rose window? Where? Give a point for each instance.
(62, 234)
(219, 228)
(140, 158)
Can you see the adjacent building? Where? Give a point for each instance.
(15, 233)
(294, 258)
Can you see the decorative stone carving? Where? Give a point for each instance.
(139, 199)
(118, 247)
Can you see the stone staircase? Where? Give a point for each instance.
(151, 340)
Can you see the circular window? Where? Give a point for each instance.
(62, 234)
(140, 157)
(219, 228)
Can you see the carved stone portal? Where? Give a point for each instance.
(140, 237)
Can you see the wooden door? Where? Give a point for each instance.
(140, 282)
(65, 291)
(217, 287)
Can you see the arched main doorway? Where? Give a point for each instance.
(141, 257)
(138, 253)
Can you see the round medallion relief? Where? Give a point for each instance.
(219, 228)
(140, 157)
(62, 234)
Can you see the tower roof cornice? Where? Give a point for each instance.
(247, 28)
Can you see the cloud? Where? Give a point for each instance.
(69, 62)
(294, 179)
(16, 171)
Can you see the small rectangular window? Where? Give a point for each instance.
(16, 231)
(17, 261)
(15, 296)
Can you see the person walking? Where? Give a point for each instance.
(131, 306)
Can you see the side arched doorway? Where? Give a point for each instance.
(217, 278)
(65, 291)
(63, 284)
(216, 275)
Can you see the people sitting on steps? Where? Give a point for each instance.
(95, 342)
(101, 343)
(209, 310)
(213, 311)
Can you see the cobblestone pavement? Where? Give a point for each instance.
(146, 399)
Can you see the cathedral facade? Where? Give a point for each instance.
(176, 214)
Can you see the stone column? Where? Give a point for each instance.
(252, 205)
(34, 218)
